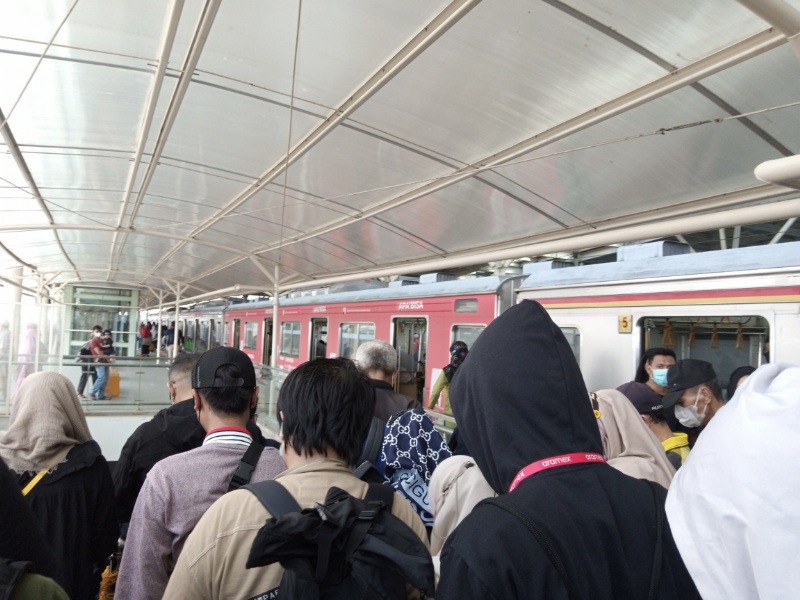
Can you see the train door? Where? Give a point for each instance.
(411, 343)
(266, 342)
(319, 339)
(235, 343)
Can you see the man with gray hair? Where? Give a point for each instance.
(378, 360)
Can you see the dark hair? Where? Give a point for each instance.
(181, 368)
(657, 416)
(228, 400)
(97, 328)
(647, 358)
(327, 403)
(457, 344)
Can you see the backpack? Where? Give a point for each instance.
(84, 351)
(345, 548)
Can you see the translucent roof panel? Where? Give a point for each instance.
(166, 143)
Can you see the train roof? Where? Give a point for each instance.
(479, 285)
(754, 258)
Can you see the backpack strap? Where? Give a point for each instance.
(275, 498)
(378, 492)
(544, 541)
(655, 576)
(244, 472)
(374, 443)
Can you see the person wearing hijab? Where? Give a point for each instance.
(458, 352)
(737, 378)
(629, 445)
(65, 478)
(566, 524)
(457, 485)
(733, 506)
(412, 449)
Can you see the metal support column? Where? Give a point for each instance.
(273, 359)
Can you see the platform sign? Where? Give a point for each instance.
(625, 323)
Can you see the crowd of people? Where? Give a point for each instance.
(661, 488)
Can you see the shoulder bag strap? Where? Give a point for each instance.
(379, 492)
(541, 537)
(275, 498)
(32, 483)
(374, 442)
(244, 472)
(655, 576)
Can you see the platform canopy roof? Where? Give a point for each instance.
(191, 147)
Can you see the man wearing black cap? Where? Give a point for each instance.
(180, 488)
(651, 408)
(693, 389)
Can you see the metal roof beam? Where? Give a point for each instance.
(167, 42)
(786, 226)
(580, 238)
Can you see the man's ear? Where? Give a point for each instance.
(198, 401)
(647, 419)
(254, 402)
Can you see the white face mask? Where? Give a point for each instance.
(689, 416)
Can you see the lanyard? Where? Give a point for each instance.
(555, 461)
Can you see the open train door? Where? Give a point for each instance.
(411, 343)
(318, 348)
(266, 342)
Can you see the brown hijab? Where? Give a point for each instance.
(630, 445)
(47, 421)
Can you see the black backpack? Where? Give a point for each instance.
(345, 548)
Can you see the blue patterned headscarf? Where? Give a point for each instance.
(412, 448)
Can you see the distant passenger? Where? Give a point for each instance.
(734, 507)
(179, 489)
(523, 410)
(651, 407)
(378, 360)
(87, 363)
(694, 392)
(147, 337)
(65, 478)
(653, 368)
(737, 378)
(629, 445)
(324, 407)
(458, 352)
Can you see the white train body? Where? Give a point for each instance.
(722, 306)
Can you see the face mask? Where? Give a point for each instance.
(98, 334)
(660, 376)
(689, 416)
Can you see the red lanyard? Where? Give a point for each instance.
(555, 461)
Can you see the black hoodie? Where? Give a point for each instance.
(519, 397)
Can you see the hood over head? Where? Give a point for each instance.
(519, 397)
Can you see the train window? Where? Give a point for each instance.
(352, 336)
(290, 338)
(573, 336)
(250, 334)
(467, 305)
(727, 342)
(466, 333)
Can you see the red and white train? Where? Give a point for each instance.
(731, 307)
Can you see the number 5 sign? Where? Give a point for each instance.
(625, 323)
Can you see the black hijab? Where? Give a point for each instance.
(520, 397)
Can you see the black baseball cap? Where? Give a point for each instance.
(644, 399)
(107, 331)
(685, 374)
(204, 373)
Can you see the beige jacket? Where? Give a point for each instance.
(212, 563)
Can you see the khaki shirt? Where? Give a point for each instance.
(212, 563)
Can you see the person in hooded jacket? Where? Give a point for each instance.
(73, 498)
(441, 387)
(543, 454)
(171, 431)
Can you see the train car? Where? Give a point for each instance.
(730, 307)
(419, 320)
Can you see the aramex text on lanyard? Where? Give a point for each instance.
(555, 461)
